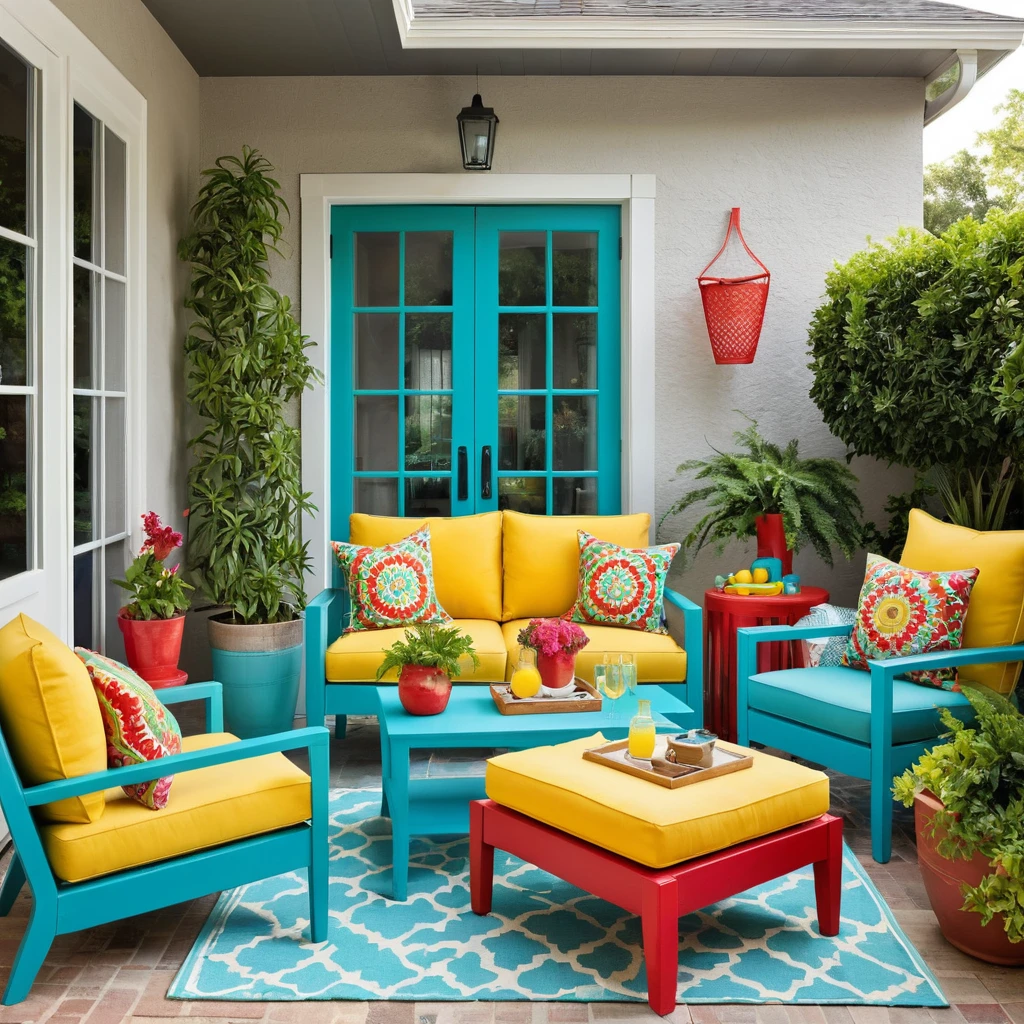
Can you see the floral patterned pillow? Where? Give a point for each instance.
(906, 611)
(138, 727)
(392, 585)
(621, 586)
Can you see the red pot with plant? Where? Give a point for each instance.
(153, 621)
(557, 642)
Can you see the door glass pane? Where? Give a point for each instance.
(114, 343)
(376, 268)
(574, 433)
(428, 496)
(83, 598)
(375, 496)
(574, 268)
(83, 174)
(85, 528)
(522, 350)
(523, 494)
(428, 432)
(116, 558)
(13, 307)
(574, 496)
(376, 351)
(15, 79)
(85, 314)
(14, 449)
(114, 200)
(521, 268)
(114, 466)
(522, 439)
(428, 268)
(428, 351)
(574, 350)
(376, 432)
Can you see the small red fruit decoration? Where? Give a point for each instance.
(734, 306)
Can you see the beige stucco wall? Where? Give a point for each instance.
(816, 165)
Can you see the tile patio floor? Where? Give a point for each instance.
(119, 973)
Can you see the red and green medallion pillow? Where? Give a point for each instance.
(138, 727)
(391, 585)
(907, 611)
(621, 586)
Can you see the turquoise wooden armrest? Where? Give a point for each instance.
(949, 659)
(753, 635)
(681, 601)
(212, 695)
(311, 738)
(323, 625)
(693, 642)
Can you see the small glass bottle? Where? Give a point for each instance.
(642, 733)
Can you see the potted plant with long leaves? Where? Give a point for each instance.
(427, 659)
(968, 798)
(247, 364)
(772, 493)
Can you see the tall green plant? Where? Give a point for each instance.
(246, 362)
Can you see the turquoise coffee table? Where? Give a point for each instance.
(440, 806)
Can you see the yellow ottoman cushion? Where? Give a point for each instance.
(645, 822)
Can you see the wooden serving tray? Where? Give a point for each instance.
(614, 755)
(586, 698)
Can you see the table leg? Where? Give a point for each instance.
(398, 800)
(828, 879)
(659, 920)
(481, 862)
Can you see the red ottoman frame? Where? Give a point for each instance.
(662, 896)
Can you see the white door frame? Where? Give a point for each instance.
(633, 192)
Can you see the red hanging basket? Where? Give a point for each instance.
(734, 306)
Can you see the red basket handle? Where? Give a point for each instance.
(734, 223)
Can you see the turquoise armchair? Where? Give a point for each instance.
(871, 725)
(60, 907)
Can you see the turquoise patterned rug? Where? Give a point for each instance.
(545, 940)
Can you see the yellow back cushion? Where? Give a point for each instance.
(995, 616)
(50, 714)
(541, 556)
(466, 552)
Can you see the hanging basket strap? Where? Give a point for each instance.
(734, 224)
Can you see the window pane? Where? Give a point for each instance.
(114, 466)
(574, 355)
(428, 268)
(428, 496)
(376, 268)
(376, 496)
(574, 433)
(15, 108)
(83, 597)
(522, 350)
(114, 200)
(376, 432)
(14, 449)
(428, 432)
(83, 174)
(84, 286)
(574, 496)
(574, 268)
(376, 351)
(114, 343)
(14, 349)
(116, 558)
(84, 469)
(428, 351)
(523, 494)
(521, 268)
(522, 439)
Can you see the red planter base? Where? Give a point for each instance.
(423, 690)
(152, 648)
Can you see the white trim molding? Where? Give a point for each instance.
(949, 98)
(635, 193)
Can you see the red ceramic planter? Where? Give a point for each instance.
(152, 647)
(556, 670)
(423, 689)
(771, 540)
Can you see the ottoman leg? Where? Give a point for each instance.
(481, 861)
(660, 923)
(828, 879)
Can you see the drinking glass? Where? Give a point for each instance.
(614, 684)
(627, 665)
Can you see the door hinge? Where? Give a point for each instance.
(331, 247)
(620, 247)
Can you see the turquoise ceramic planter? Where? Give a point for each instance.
(260, 689)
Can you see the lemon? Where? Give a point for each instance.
(760, 575)
(742, 591)
(744, 576)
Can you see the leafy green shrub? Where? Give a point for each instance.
(440, 647)
(979, 776)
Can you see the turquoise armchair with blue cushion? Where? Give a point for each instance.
(871, 725)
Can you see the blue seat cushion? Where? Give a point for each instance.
(838, 701)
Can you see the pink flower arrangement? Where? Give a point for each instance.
(161, 540)
(552, 637)
(157, 592)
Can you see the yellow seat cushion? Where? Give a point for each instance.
(50, 715)
(659, 659)
(995, 616)
(647, 823)
(541, 557)
(466, 552)
(206, 808)
(355, 657)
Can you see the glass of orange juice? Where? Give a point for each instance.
(526, 677)
(642, 733)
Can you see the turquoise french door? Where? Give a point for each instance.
(475, 360)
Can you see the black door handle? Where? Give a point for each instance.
(485, 472)
(463, 472)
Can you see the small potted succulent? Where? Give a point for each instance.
(153, 620)
(427, 660)
(557, 642)
(968, 797)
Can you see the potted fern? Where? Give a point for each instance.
(247, 363)
(427, 660)
(770, 492)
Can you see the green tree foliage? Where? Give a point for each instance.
(954, 189)
(1004, 161)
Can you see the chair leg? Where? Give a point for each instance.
(319, 879)
(13, 881)
(42, 930)
(340, 726)
(828, 880)
(481, 861)
(659, 920)
(881, 805)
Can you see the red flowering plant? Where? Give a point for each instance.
(552, 637)
(157, 592)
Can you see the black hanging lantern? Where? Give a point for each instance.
(477, 127)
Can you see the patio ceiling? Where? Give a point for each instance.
(791, 38)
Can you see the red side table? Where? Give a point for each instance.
(723, 615)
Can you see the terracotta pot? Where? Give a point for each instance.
(771, 540)
(152, 647)
(942, 881)
(556, 670)
(423, 689)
